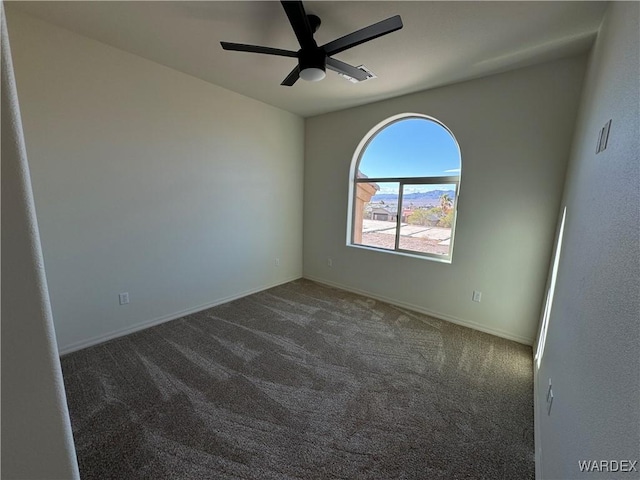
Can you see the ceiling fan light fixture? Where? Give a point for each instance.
(313, 64)
(313, 60)
(312, 74)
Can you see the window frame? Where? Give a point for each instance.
(401, 181)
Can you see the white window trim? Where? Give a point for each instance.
(402, 181)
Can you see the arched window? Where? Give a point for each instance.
(405, 184)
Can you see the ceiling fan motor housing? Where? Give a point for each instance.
(312, 58)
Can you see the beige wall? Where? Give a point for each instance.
(593, 342)
(151, 182)
(36, 433)
(514, 131)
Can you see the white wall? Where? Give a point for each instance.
(514, 130)
(592, 351)
(152, 182)
(36, 433)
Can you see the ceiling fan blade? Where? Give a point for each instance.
(292, 77)
(363, 35)
(241, 47)
(341, 67)
(300, 23)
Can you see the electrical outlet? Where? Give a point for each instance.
(277, 262)
(123, 298)
(477, 296)
(329, 262)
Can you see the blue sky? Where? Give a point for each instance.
(413, 147)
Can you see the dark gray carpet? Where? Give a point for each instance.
(303, 381)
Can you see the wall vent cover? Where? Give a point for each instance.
(370, 75)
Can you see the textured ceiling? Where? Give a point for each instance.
(441, 42)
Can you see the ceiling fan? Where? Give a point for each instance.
(312, 59)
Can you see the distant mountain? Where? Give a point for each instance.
(418, 198)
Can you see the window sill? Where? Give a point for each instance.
(433, 258)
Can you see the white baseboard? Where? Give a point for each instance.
(173, 316)
(431, 313)
(165, 318)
